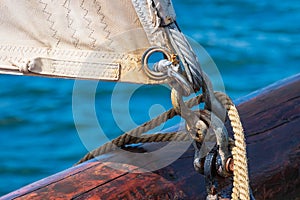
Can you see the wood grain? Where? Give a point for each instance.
(271, 120)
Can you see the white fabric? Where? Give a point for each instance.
(97, 32)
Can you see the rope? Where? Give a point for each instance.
(159, 137)
(240, 174)
(132, 136)
(240, 179)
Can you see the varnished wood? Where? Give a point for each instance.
(271, 120)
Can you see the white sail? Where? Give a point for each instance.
(92, 39)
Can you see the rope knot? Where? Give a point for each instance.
(23, 66)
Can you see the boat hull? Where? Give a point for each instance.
(272, 126)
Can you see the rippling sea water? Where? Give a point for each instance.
(253, 43)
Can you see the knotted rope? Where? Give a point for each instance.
(240, 179)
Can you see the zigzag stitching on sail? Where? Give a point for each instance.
(130, 67)
(50, 21)
(143, 14)
(3, 58)
(24, 52)
(102, 17)
(89, 22)
(12, 50)
(70, 22)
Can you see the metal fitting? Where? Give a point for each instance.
(165, 11)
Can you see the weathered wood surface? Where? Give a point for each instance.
(271, 121)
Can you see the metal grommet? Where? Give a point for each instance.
(145, 59)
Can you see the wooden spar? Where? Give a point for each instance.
(271, 120)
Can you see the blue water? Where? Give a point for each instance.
(253, 43)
